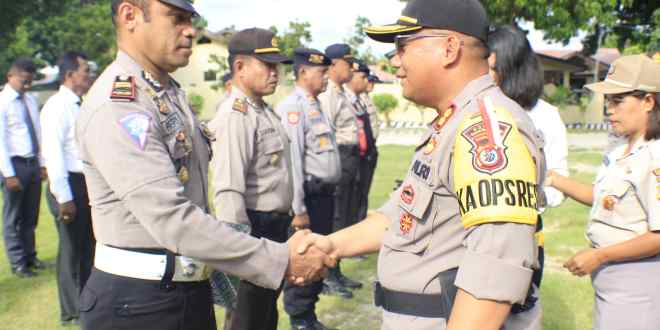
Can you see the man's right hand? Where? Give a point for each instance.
(310, 266)
(67, 212)
(13, 183)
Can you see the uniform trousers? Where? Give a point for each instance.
(111, 302)
(300, 302)
(365, 178)
(346, 206)
(20, 212)
(256, 307)
(627, 295)
(75, 252)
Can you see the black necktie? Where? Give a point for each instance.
(30, 126)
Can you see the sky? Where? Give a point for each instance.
(331, 20)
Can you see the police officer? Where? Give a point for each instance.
(67, 196)
(145, 159)
(21, 168)
(372, 158)
(624, 223)
(469, 201)
(339, 110)
(316, 170)
(371, 107)
(252, 178)
(356, 89)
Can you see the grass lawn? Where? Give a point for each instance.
(31, 304)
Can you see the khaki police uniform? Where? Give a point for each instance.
(252, 183)
(316, 171)
(468, 204)
(145, 159)
(627, 205)
(337, 107)
(368, 153)
(372, 110)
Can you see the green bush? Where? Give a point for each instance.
(385, 103)
(561, 97)
(196, 102)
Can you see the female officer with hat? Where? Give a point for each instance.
(624, 222)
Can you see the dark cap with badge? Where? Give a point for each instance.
(372, 78)
(340, 51)
(361, 66)
(186, 5)
(310, 56)
(259, 43)
(465, 16)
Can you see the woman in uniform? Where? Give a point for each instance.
(624, 222)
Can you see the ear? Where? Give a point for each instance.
(648, 102)
(128, 15)
(451, 52)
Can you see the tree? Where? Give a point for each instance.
(46, 31)
(295, 36)
(385, 103)
(358, 39)
(632, 20)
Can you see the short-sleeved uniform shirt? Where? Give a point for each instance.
(626, 194)
(339, 110)
(314, 151)
(469, 200)
(145, 159)
(252, 170)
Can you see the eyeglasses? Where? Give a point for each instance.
(401, 41)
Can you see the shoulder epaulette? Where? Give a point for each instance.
(240, 105)
(123, 89)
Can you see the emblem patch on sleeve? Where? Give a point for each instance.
(123, 89)
(406, 223)
(136, 126)
(408, 194)
(488, 151)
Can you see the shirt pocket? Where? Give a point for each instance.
(413, 229)
(322, 138)
(619, 204)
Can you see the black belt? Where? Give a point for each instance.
(26, 160)
(419, 304)
(349, 148)
(316, 186)
(272, 214)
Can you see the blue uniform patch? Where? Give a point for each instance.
(136, 125)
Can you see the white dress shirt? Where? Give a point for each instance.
(59, 148)
(546, 118)
(15, 136)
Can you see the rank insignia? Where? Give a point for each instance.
(155, 84)
(136, 126)
(314, 114)
(240, 106)
(408, 194)
(441, 121)
(430, 146)
(183, 175)
(406, 223)
(609, 202)
(293, 118)
(163, 108)
(486, 138)
(123, 89)
(656, 172)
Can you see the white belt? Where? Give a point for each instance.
(147, 266)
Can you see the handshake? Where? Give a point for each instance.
(310, 256)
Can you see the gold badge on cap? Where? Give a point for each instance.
(656, 57)
(274, 42)
(316, 59)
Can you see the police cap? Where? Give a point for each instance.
(260, 43)
(340, 51)
(465, 16)
(186, 5)
(310, 56)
